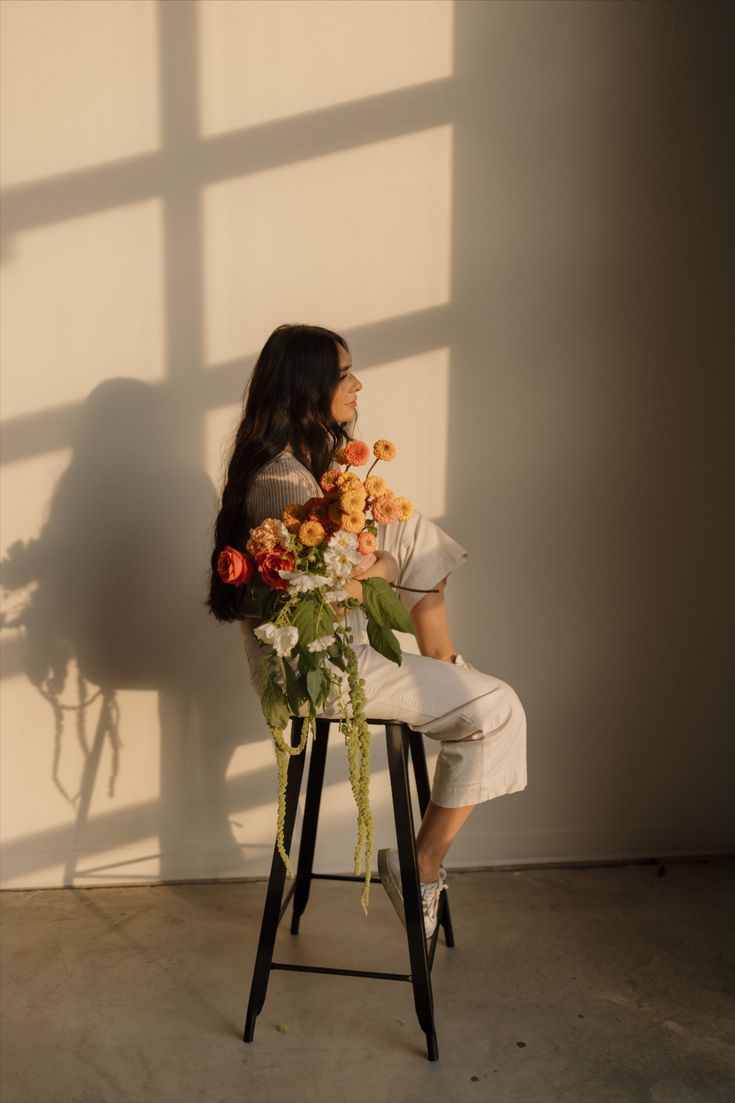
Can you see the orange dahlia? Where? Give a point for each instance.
(353, 522)
(311, 533)
(329, 479)
(376, 486)
(357, 453)
(293, 515)
(348, 478)
(353, 501)
(385, 450)
(405, 509)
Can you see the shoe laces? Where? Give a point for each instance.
(430, 894)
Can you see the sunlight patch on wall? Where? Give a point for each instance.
(407, 401)
(82, 301)
(261, 61)
(343, 240)
(78, 85)
(42, 775)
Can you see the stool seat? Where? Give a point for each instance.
(400, 739)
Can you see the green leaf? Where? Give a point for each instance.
(337, 659)
(384, 607)
(325, 688)
(307, 618)
(293, 693)
(274, 705)
(383, 640)
(308, 660)
(314, 685)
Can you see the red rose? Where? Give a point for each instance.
(278, 559)
(234, 567)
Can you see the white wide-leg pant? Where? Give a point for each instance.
(478, 719)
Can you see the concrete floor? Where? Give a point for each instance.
(612, 984)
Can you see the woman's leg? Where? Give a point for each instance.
(438, 830)
(440, 826)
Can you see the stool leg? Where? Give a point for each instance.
(397, 740)
(274, 895)
(421, 774)
(309, 825)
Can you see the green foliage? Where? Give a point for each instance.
(312, 618)
(384, 612)
(383, 607)
(274, 704)
(383, 640)
(293, 689)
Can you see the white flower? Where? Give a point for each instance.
(300, 582)
(343, 541)
(283, 534)
(336, 595)
(282, 640)
(339, 572)
(321, 644)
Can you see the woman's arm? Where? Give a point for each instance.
(385, 566)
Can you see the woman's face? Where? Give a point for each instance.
(344, 399)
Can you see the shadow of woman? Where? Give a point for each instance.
(121, 571)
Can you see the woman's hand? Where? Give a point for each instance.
(360, 569)
(384, 566)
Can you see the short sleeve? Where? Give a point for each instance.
(425, 553)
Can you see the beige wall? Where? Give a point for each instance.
(516, 213)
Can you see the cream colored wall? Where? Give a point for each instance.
(513, 212)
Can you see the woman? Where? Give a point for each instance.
(301, 407)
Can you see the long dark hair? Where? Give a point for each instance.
(288, 400)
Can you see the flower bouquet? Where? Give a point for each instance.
(299, 565)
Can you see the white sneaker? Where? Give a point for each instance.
(430, 895)
(389, 868)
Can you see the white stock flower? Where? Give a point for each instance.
(301, 583)
(282, 640)
(321, 644)
(283, 534)
(336, 595)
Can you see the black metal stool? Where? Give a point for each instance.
(399, 738)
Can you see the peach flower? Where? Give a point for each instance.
(366, 542)
(385, 509)
(265, 537)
